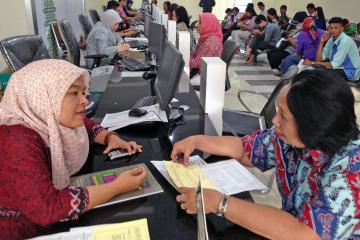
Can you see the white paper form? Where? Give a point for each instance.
(122, 119)
(231, 177)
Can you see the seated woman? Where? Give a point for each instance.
(181, 17)
(122, 12)
(320, 20)
(246, 25)
(166, 7)
(102, 38)
(272, 15)
(306, 44)
(209, 45)
(44, 139)
(314, 147)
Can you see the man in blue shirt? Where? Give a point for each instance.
(340, 52)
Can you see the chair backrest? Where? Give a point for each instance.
(269, 110)
(85, 24)
(94, 16)
(193, 25)
(19, 51)
(61, 48)
(70, 41)
(229, 49)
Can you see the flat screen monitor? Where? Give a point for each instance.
(147, 20)
(157, 39)
(169, 74)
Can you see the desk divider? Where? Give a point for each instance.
(212, 89)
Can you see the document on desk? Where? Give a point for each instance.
(160, 166)
(122, 119)
(227, 176)
(133, 230)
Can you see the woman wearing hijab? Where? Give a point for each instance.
(209, 44)
(306, 45)
(44, 139)
(103, 40)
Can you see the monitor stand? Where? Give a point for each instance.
(175, 114)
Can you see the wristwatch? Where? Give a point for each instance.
(223, 205)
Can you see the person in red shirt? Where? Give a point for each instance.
(44, 139)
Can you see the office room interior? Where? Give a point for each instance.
(191, 119)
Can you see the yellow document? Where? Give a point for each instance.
(187, 176)
(134, 230)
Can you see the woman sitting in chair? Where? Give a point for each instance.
(180, 15)
(314, 147)
(102, 38)
(44, 139)
(209, 45)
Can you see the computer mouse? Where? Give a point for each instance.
(184, 107)
(137, 112)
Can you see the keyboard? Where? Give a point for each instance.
(134, 65)
(137, 44)
(145, 101)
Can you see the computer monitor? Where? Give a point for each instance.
(147, 20)
(156, 39)
(169, 74)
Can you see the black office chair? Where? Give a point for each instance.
(241, 123)
(85, 24)
(71, 44)
(193, 25)
(229, 49)
(19, 51)
(60, 45)
(94, 16)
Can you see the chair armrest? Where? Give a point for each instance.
(96, 56)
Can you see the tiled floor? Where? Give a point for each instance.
(260, 80)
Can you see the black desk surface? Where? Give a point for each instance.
(166, 220)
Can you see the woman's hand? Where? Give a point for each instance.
(130, 180)
(182, 150)
(324, 38)
(187, 200)
(115, 142)
(123, 47)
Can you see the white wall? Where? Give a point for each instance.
(13, 21)
(332, 8)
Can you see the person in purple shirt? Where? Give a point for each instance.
(306, 45)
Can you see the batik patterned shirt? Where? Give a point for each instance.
(319, 189)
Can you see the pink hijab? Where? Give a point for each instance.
(33, 98)
(210, 26)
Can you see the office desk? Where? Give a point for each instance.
(166, 220)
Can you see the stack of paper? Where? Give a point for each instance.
(227, 176)
(134, 230)
(118, 120)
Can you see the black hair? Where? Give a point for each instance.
(112, 5)
(336, 20)
(320, 13)
(260, 18)
(228, 10)
(236, 9)
(182, 16)
(260, 4)
(167, 4)
(345, 21)
(283, 7)
(272, 11)
(311, 6)
(322, 104)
